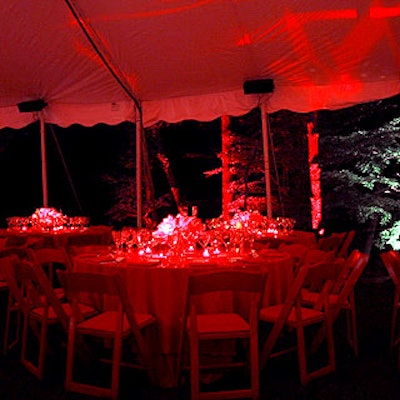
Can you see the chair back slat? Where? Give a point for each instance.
(351, 270)
(244, 281)
(343, 249)
(332, 242)
(9, 265)
(50, 256)
(391, 261)
(20, 252)
(101, 283)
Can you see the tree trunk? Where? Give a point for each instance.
(226, 175)
(171, 180)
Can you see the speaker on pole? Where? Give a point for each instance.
(258, 86)
(31, 106)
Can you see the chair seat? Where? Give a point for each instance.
(112, 325)
(52, 316)
(308, 315)
(104, 323)
(60, 293)
(229, 323)
(309, 297)
(239, 333)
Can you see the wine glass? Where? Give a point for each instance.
(116, 237)
(143, 239)
(203, 240)
(126, 237)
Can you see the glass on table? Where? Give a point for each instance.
(116, 237)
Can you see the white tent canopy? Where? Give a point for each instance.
(188, 59)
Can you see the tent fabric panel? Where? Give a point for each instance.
(188, 59)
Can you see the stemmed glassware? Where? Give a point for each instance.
(116, 237)
(142, 239)
(203, 240)
(126, 238)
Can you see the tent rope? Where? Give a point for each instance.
(66, 170)
(273, 155)
(93, 38)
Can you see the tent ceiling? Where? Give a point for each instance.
(188, 59)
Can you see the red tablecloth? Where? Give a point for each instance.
(61, 238)
(161, 291)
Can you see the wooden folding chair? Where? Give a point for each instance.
(13, 307)
(341, 296)
(111, 325)
(391, 261)
(297, 251)
(343, 250)
(231, 325)
(40, 307)
(331, 242)
(52, 259)
(292, 315)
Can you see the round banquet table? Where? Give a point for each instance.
(161, 291)
(61, 238)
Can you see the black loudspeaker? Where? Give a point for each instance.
(258, 86)
(30, 106)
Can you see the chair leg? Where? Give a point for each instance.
(331, 344)
(393, 329)
(254, 365)
(352, 325)
(301, 354)
(42, 349)
(90, 389)
(398, 358)
(116, 363)
(270, 342)
(70, 358)
(24, 337)
(37, 368)
(7, 345)
(194, 367)
(326, 331)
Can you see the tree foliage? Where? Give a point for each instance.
(360, 178)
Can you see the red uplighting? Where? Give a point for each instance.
(153, 13)
(325, 15)
(384, 12)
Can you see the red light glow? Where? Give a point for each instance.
(384, 12)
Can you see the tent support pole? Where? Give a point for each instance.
(44, 162)
(265, 137)
(139, 129)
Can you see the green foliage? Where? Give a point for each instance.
(360, 176)
(390, 237)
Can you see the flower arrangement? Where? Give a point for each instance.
(177, 235)
(48, 218)
(171, 225)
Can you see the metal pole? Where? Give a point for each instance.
(265, 137)
(139, 132)
(44, 160)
